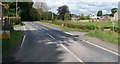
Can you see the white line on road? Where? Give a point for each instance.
(23, 41)
(24, 28)
(50, 35)
(71, 53)
(37, 26)
(68, 33)
(42, 30)
(101, 47)
(67, 50)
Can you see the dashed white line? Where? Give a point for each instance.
(50, 35)
(68, 33)
(37, 26)
(67, 49)
(71, 53)
(101, 47)
(24, 28)
(23, 41)
(42, 30)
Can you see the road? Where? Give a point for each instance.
(44, 44)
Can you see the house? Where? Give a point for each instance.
(93, 17)
(74, 18)
(117, 16)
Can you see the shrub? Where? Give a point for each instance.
(16, 20)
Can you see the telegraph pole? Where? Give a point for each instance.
(16, 7)
(52, 16)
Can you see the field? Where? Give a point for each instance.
(95, 29)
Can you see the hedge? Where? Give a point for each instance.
(16, 20)
(83, 27)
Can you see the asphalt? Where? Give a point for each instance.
(44, 44)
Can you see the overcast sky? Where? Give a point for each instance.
(82, 6)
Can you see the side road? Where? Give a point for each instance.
(97, 41)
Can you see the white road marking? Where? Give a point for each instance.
(50, 35)
(42, 30)
(24, 28)
(67, 49)
(23, 41)
(71, 53)
(68, 33)
(101, 47)
(37, 26)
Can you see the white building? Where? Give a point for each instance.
(117, 16)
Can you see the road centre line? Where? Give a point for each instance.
(67, 49)
(101, 47)
(50, 35)
(23, 41)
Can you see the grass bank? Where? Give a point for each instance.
(108, 36)
(11, 43)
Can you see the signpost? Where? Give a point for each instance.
(113, 24)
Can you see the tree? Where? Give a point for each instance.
(99, 13)
(66, 16)
(62, 10)
(42, 9)
(34, 14)
(113, 10)
(41, 6)
(25, 8)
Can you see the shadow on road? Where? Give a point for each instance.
(40, 47)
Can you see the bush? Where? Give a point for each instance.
(84, 26)
(16, 20)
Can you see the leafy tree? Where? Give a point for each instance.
(99, 13)
(42, 9)
(25, 8)
(62, 10)
(34, 14)
(114, 10)
(6, 8)
(66, 16)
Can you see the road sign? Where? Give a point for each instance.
(4, 34)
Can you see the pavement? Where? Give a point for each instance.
(45, 43)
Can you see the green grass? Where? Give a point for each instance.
(100, 24)
(66, 28)
(9, 44)
(19, 25)
(106, 36)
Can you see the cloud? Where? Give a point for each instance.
(83, 6)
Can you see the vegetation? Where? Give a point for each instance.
(106, 36)
(9, 44)
(94, 28)
(87, 25)
(62, 10)
(113, 10)
(82, 17)
(67, 16)
(99, 13)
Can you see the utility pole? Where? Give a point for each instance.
(16, 7)
(52, 16)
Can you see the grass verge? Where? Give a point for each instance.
(105, 36)
(9, 44)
